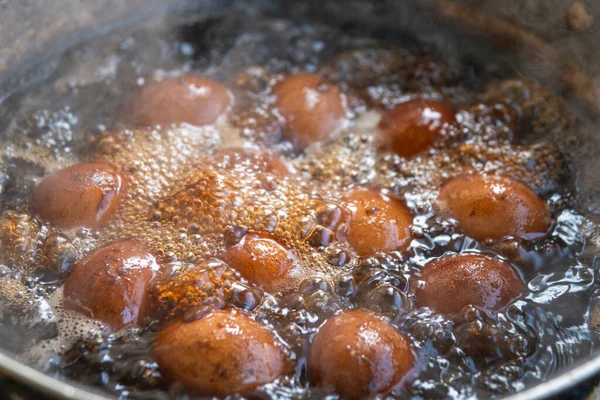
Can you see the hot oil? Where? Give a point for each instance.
(189, 209)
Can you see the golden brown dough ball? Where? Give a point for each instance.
(191, 99)
(488, 206)
(84, 194)
(250, 159)
(378, 223)
(262, 259)
(218, 355)
(358, 355)
(456, 281)
(312, 108)
(412, 127)
(112, 284)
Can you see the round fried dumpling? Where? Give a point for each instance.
(489, 206)
(112, 284)
(263, 260)
(191, 99)
(220, 354)
(357, 355)
(378, 223)
(312, 108)
(453, 282)
(84, 194)
(412, 127)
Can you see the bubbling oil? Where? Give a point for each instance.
(188, 209)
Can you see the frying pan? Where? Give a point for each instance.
(489, 34)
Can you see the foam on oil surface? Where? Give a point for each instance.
(71, 327)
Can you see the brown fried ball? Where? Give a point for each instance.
(412, 127)
(112, 284)
(84, 194)
(358, 355)
(250, 159)
(262, 259)
(312, 108)
(488, 206)
(191, 99)
(453, 282)
(378, 223)
(219, 355)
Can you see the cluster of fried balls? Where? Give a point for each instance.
(355, 353)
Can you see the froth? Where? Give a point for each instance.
(71, 327)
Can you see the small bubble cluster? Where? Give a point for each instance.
(19, 236)
(22, 310)
(197, 289)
